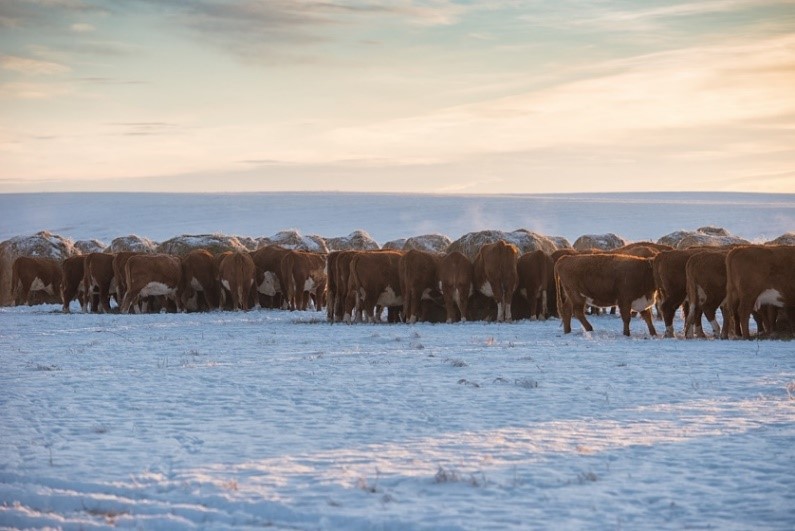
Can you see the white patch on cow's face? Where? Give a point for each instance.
(486, 290)
(309, 285)
(642, 303)
(769, 296)
(389, 298)
(269, 285)
(196, 285)
(702, 296)
(225, 284)
(39, 285)
(157, 288)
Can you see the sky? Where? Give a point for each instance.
(438, 96)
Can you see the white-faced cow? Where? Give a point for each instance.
(268, 261)
(532, 271)
(33, 274)
(455, 280)
(495, 276)
(304, 275)
(757, 276)
(706, 291)
(604, 280)
(418, 282)
(152, 275)
(199, 289)
(72, 281)
(375, 281)
(236, 274)
(99, 281)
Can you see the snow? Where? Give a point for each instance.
(274, 418)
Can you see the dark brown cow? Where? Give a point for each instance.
(99, 280)
(656, 247)
(671, 281)
(119, 263)
(532, 281)
(706, 291)
(237, 274)
(418, 281)
(375, 282)
(151, 275)
(494, 275)
(304, 275)
(199, 288)
(344, 296)
(455, 279)
(268, 261)
(32, 274)
(331, 284)
(757, 276)
(605, 280)
(72, 281)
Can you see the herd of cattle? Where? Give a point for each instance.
(499, 284)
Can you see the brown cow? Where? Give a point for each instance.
(98, 279)
(269, 280)
(494, 275)
(331, 284)
(455, 281)
(605, 280)
(375, 282)
(150, 275)
(237, 274)
(628, 248)
(671, 281)
(758, 276)
(199, 288)
(31, 274)
(119, 263)
(706, 291)
(304, 275)
(532, 281)
(345, 292)
(418, 281)
(72, 282)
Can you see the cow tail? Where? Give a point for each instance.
(14, 282)
(558, 293)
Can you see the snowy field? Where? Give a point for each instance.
(278, 419)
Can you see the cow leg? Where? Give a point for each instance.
(104, 297)
(647, 316)
(689, 324)
(626, 317)
(579, 313)
(669, 310)
(449, 304)
(463, 302)
(507, 306)
(709, 313)
(744, 310)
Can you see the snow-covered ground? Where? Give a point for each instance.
(278, 419)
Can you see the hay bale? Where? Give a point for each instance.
(42, 244)
(248, 242)
(603, 242)
(292, 239)
(469, 244)
(785, 239)
(432, 243)
(395, 245)
(215, 243)
(699, 239)
(133, 244)
(710, 236)
(560, 242)
(90, 246)
(357, 240)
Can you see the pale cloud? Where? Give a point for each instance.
(26, 65)
(82, 27)
(32, 91)
(690, 88)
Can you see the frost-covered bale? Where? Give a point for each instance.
(215, 243)
(713, 231)
(90, 246)
(292, 239)
(432, 243)
(394, 245)
(709, 236)
(785, 239)
(699, 239)
(357, 240)
(133, 244)
(42, 244)
(603, 242)
(560, 242)
(248, 242)
(469, 244)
